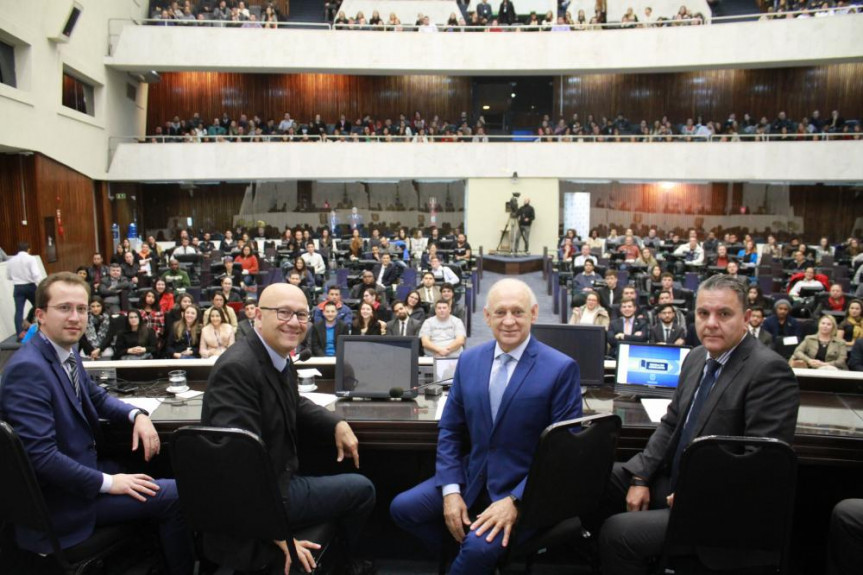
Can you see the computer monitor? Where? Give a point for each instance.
(444, 370)
(583, 343)
(647, 370)
(376, 367)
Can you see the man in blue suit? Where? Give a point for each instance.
(504, 394)
(55, 408)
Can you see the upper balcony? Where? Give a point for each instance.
(744, 44)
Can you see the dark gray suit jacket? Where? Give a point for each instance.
(413, 327)
(756, 395)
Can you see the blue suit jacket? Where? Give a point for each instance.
(544, 389)
(59, 434)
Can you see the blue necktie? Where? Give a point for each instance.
(687, 434)
(498, 384)
(72, 365)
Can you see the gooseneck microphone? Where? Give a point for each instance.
(399, 393)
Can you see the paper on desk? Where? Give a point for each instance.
(149, 404)
(440, 405)
(655, 408)
(191, 394)
(322, 399)
(310, 372)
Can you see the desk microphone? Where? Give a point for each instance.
(304, 355)
(398, 392)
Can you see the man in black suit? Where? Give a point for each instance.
(610, 293)
(627, 327)
(855, 356)
(386, 273)
(324, 335)
(756, 318)
(731, 385)
(253, 386)
(667, 330)
(402, 324)
(246, 326)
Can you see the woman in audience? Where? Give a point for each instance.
(772, 248)
(136, 340)
(185, 335)
(720, 260)
(394, 23)
(249, 263)
(306, 274)
(366, 322)
(152, 317)
(325, 245)
(372, 297)
(852, 327)
(164, 297)
(119, 255)
(748, 255)
(176, 313)
(654, 279)
(217, 335)
(99, 333)
(376, 19)
(415, 310)
(219, 301)
(822, 350)
(580, 21)
(824, 249)
(591, 313)
(646, 258)
(755, 298)
(356, 247)
(271, 19)
(567, 250)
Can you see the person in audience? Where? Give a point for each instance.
(720, 259)
(366, 322)
(115, 289)
(217, 335)
(756, 395)
(583, 282)
(627, 327)
(373, 297)
(135, 340)
(584, 256)
(176, 313)
(629, 249)
(855, 356)
(414, 308)
(852, 326)
(343, 312)
(246, 326)
(808, 281)
(98, 339)
(646, 259)
(567, 250)
(801, 262)
(402, 324)
(447, 293)
(97, 272)
(475, 492)
(118, 256)
(249, 264)
(691, 252)
(591, 313)
(356, 246)
(185, 248)
(307, 277)
(367, 280)
(232, 271)
(610, 293)
(429, 292)
(755, 298)
(176, 277)
(667, 331)
(461, 250)
(749, 254)
(185, 335)
(218, 301)
(152, 316)
(821, 350)
(653, 283)
(756, 319)
(386, 273)
(42, 382)
(834, 302)
(442, 272)
(228, 292)
(784, 328)
(323, 338)
(314, 260)
(443, 335)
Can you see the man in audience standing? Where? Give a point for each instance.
(477, 496)
(55, 409)
(23, 271)
(443, 335)
(525, 214)
(732, 385)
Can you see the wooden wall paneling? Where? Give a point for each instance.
(304, 95)
(827, 211)
(714, 93)
(212, 207)
(104, 219)
(16, 169)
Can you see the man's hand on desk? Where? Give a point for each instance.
(455, 515)
(303, 552)
(346, 442)
(146, 434)
(500, 515)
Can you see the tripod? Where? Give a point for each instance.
(508, 236)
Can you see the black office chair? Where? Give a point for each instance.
(566, 482)
(733, 506)
(22, 503)
(210, 462)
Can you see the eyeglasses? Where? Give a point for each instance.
(67, 308)
(287, 315)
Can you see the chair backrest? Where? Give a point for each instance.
(570, 470)
(226, 483)
(21, 500)
(734, 502)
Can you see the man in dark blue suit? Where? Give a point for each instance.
(504, 394)
(55, 408)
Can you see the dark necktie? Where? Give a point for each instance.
(687, 434)
(72, 366)
(667, 334)
(403, 323)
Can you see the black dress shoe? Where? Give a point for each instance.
(358, 567)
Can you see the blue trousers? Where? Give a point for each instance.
(164, 508)
(22, 293)
(419, 511)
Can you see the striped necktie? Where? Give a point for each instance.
(72, 367)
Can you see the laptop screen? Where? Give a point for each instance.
(376, 367)
(648, 370)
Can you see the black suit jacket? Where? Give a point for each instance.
(244, 328)
(413, 327)
(316, 340)
(640, 332)
(245, 391)
(604, 299)
(756, 395)
(391, 274)
(657, 333)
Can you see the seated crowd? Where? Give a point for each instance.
(197, 298)
(419, 129)
(806, 301)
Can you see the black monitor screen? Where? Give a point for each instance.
(583, 343)
(376, 367)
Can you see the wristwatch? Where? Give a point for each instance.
(515, 500)
(638, 482)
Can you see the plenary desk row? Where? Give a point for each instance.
(829, 427)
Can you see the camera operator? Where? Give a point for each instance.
(525, 216)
